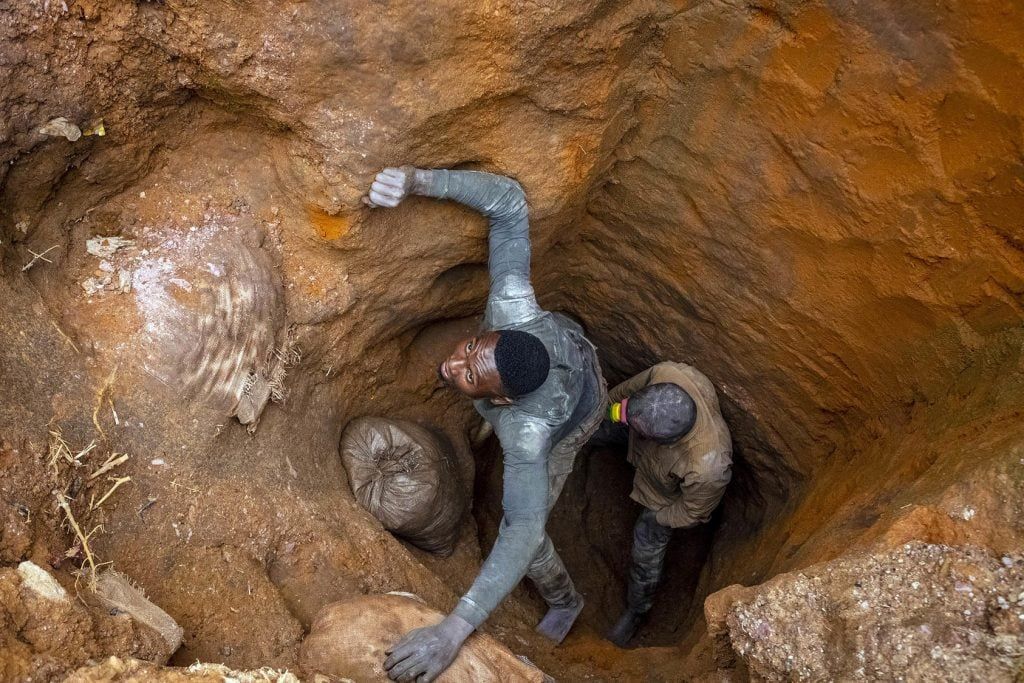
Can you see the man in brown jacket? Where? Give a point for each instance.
(669, 418)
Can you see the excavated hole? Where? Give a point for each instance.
(592, 529)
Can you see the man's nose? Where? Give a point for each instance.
(456, 362)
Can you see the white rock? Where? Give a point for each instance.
(105, 247)
(41, 582)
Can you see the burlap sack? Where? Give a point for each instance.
(405, 476)
(348, 640)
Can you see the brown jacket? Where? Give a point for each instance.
(682, 482)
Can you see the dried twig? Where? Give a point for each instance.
(145, 506)
(113, 461)
(59, 450)
(117, 482)
(38, 257)
(182, 486)
(62, 501)
(104, 388)
(66, 337)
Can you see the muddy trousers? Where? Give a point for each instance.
(650, 541)
(547, 571)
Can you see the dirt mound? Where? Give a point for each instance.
(45, 632)
(117, 670)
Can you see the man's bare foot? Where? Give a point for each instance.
(557, 623)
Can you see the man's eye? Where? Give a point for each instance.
(469, 345)
(469, 376)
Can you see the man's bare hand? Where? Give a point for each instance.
(390, 187)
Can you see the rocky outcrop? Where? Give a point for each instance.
(916, 612)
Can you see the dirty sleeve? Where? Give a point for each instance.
(526, 444)
(701, 487)
(511, 300)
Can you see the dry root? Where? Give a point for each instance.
(61, 452)
(117, 482)
(83, 539)
(113, 461)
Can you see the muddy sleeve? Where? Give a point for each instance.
(631, 385)
(511, 300)
(700, 490)
(525, 506)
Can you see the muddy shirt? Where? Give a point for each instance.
(682, 482)
(533, 424)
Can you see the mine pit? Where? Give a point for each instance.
(815, 204)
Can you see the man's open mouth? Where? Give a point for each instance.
(442, 372)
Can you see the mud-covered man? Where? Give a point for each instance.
(535, 378)
(669, 420)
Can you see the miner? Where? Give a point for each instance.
(534, 378)
(668, 419)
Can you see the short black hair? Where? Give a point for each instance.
(522, 362)
(662, 412)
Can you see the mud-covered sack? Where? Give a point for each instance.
(348, 640)
(405, 477)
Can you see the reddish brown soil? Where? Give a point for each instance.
(816, 203)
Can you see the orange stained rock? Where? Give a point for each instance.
(328, 227)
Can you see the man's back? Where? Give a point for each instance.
(685, 480)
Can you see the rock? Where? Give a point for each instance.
(36, 579)
(120, 670)
(45, 633)
(892, 615)
(116, 592)
(105, 247)
(61, 127)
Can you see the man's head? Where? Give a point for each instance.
(661, 412)
(501, 365)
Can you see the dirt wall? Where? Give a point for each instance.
(815, 203)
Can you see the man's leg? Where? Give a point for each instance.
(650, 542)
(549, 575)
(547, 571)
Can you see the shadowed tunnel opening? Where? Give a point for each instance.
(592, 523)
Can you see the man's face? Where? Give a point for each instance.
(471, 369)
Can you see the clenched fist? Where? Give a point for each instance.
(392, 185)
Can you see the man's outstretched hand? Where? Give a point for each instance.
(424, 653)
(391, 186)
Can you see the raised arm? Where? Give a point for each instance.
(502, 201)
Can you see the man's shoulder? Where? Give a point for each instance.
(682, 374)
